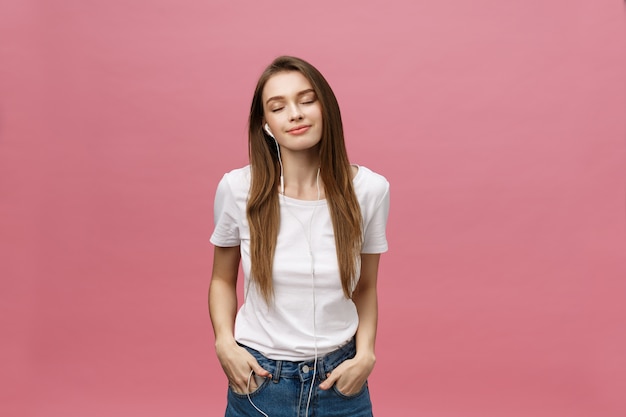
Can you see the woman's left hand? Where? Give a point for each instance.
(350, 375)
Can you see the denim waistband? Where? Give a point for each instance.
(304, 370)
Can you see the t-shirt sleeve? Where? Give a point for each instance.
(225, 215)
(375, 225)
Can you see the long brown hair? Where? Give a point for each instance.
(335, 171)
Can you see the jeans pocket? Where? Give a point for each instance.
(261, 385)
(357, 394)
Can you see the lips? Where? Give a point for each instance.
(299, 130)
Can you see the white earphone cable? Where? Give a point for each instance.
(308, 236)
(308, 401)
(280, 161)
(250, 399)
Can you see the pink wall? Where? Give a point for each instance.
(501, 126)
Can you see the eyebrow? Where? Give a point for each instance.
(301, 93)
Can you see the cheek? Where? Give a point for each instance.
(317, 113)
(271, 120)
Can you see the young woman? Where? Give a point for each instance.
(308, 228)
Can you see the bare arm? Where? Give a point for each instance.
(235, 360)
(223, 292)
(366, 299)
(351, 375)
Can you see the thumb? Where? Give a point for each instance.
(329, 382)
(258, 370)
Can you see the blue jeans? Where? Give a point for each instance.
(287, 392)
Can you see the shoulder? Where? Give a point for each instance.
(370, 184)
(238, 177)
(236, 182)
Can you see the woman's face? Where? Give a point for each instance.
(292, 111)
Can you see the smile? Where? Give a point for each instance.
(298, 130)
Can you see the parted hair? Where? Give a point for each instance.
(335, 171)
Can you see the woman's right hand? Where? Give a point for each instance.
(237, 363)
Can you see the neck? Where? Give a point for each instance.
(301, 176)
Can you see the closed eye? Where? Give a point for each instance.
(308, 99)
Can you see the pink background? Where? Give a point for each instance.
(500, 125)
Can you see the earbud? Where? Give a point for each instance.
(267, 129)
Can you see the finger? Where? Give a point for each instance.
(236, 388)
(347, 389)
(239, 387)
(329, 382)
(240, 383)
(252, 386)
(258, 370)
(245, 387)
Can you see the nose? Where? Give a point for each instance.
(295, 113)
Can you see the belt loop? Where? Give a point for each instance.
(321, 369)
(276, 375)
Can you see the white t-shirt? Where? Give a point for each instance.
(285, 330)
